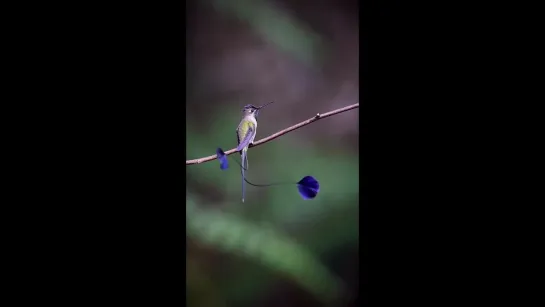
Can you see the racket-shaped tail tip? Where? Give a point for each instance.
(224, 164)
(308, 187)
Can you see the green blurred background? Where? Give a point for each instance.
(276, 249)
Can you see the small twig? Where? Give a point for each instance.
(278, 134)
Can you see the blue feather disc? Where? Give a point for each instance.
(222, 158)
(308, 187)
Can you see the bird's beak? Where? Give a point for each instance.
(265, 105)
(259, 108)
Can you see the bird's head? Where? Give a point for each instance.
(251, 110)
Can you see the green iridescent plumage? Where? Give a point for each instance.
(245, 135)
(246, 132)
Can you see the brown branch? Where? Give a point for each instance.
(278, 134)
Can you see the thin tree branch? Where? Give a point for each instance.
(278, 134)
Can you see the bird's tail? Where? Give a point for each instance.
(244, 163)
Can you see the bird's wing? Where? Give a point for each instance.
(238, 131)
(245, 133)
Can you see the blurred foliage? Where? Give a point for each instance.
(232, 234)
(276, 26)
(239, 253)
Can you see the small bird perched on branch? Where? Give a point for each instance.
(246, 132)
(308, 187)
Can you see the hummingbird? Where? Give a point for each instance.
(246, 132)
